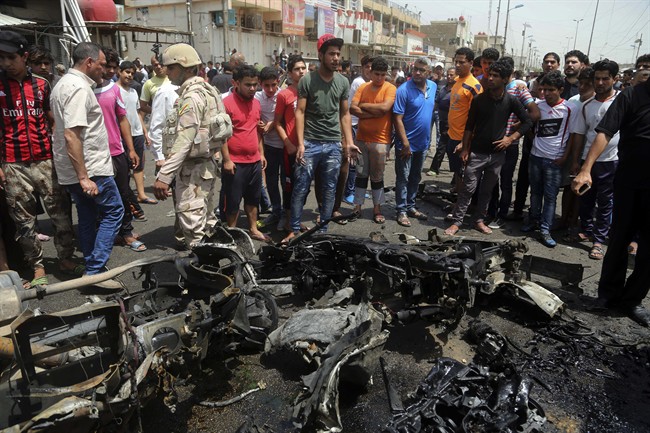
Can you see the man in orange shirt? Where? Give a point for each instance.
(463, 93)
(373, 105)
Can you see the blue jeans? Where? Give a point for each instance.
(545, 180)
(100, 218)
(324, 159)
(274, 172)
(408, 173)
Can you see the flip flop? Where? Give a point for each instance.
(484, 229)
(137, 246)
(403, 220)
(40, 281)
(339, 222)
(451, 230)
(379, 218)
(597, 252)
(77, 271)
(148, 200)
(263, 238)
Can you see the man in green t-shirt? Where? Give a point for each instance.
(152, 85)
(322, 119)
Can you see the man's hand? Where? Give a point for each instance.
(135, 159)
(581, 179)
(264, 163)
(352, 153)
(89, 187)
(160, 190)
(300, 153)
(405, 153)
(458, 148)
(229, 167)
(464, 155)
(502, 144)
(147, 140)
(160, 163)
(3, 180)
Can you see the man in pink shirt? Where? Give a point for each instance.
(118, 128)
(243, 154)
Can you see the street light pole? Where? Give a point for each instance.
(575, 40)
(505, 33)
(592, 28)
(523, 40)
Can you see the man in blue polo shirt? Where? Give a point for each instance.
(413, 111)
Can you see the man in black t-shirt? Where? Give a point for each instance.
(484, 142)
(629, 115)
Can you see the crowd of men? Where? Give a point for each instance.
(79, 139)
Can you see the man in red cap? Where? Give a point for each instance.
(322, 119)
(26, 158)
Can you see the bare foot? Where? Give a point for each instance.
(288, 237)
(481, 227)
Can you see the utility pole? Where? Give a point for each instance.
(575, 40)
(523, 40)
(188, 5)
(592, 27)
(496, 32)
(638, 41)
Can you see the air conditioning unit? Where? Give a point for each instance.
(356, 37)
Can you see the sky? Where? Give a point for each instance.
(618, 23)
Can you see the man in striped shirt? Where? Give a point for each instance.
(26, 157)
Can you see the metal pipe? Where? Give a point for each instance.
(89, 280)
(496, 32)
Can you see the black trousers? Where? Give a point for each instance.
(631, 216)
(523, 183)
(121, 169)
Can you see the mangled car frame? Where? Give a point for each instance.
(92, 368)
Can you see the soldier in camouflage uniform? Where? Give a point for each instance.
(195, 130)
(26, 158)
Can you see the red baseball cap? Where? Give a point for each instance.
(328, 39)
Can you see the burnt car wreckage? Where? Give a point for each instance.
(93, 367)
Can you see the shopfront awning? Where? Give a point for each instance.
(8, 21)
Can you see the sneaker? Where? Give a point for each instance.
(349, 199)
(431, 173)
(530, 227)
(546, 239)
(496, 223)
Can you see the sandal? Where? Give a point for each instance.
(481, 227)
(403, 220)
(379, 218)
(148, 200)
(451, 230)
(261, 237)
(339, 222)
(40, 281)
(597, 252)
(136, 246)
(417, 214)
(584, 238)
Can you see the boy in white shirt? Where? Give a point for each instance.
(548, 156)
(138, 130)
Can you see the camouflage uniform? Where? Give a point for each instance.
(22, 181)
(190, 148)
